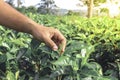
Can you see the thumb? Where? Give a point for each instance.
(51, 44)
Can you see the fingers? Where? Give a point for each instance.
(51, 43)
(56, 40)
(51, 37)
(60, 40)
(63, 45)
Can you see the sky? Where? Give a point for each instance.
(61, 3)
(32, 2)
(66, 4)
(73, 4)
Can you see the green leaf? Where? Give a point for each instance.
(19, 42)
(74, 46)
(10, 56)
(87, 78)
(10, 76)
(35, 43)
(21, 52)
(2, 29)
(62, 61)
(3, 58)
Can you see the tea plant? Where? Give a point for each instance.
(92, 51)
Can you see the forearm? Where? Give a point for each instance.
(11, 18)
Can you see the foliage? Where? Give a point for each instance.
(45, 6)
(10, 2)
(96, 2)
(30, 9)
(18, 2)
(92, 51)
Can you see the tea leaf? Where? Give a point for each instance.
(10, 76)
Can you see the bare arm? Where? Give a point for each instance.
(13, 19)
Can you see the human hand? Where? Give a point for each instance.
(50, 36)
(13, 19)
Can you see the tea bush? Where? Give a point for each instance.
(92, 51)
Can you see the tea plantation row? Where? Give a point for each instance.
(92, 52)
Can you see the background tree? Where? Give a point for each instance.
(96, 2)
(45, 6)
(90, 4)
(19, 2)
(90, 8)
(10, 2)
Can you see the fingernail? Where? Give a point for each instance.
(55, 48)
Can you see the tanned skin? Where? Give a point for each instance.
(13, 19)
